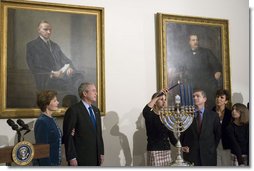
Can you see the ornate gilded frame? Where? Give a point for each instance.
(178, 26)
(63, 15)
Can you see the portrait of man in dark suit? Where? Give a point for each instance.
(50, 50)
(195, 57)
(49, 65)
(201, 68)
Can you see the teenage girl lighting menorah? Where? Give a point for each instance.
(178, 118)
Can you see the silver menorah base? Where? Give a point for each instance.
(177, 119)
(179, 162)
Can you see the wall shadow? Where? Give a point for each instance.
(237, 98)
(139, 143)
(115, 142)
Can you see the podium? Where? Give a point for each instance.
(40, 151)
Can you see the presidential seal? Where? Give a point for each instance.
(23, 153)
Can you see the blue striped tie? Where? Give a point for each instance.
(92, 116)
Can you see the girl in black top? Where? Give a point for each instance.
(238, 132)
(158, 136)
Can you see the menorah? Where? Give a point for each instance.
(178, 118)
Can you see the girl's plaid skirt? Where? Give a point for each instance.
(159, 158)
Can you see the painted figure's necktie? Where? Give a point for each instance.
(51, 51)
(49, 45)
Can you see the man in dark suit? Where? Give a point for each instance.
(82, 132)
(203, 136)
(49, 65)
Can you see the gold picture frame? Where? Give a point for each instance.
(173, 36)
(79, 32)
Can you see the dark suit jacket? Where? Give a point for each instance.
(87, 143)
(41, 62)
(203, 146)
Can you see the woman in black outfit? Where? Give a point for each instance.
(223, 149)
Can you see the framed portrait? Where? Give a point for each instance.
(74, 53)
(194, 51)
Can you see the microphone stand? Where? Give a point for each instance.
(23, 126)
(19, 135)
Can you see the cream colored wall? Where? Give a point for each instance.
(130, 65)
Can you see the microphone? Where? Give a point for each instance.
(170, 88)
(12, 124)
(23, 125)
(15, 127)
